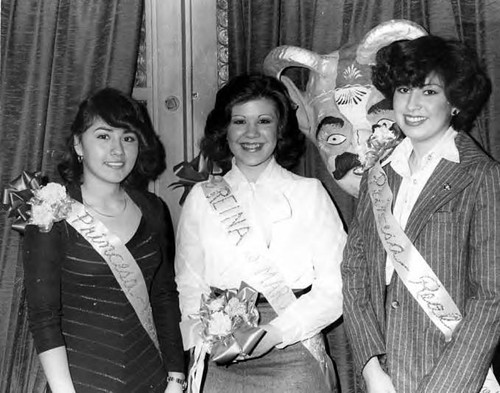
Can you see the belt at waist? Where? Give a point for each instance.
(297, 292)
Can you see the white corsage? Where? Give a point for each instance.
(49, 204)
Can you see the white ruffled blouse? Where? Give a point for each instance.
(301, 229)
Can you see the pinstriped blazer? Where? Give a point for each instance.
(455, 225)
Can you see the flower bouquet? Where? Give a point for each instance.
(229, 322)
(34, 204)
(229, 329)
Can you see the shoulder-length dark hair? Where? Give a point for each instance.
(241, 89)
(118, 110)
(409, 62)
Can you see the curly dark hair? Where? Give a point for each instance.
(241, 89)
(409, 62)
(118, 110)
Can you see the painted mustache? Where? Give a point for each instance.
(344, 163)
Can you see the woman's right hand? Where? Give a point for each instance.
(376, 379)
(272, 338)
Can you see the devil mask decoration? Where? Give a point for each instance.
(340, 107)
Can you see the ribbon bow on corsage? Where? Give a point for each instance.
(197, 170)
(229, 319)
(17, 196)
(229, 330)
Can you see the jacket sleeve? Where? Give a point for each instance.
(464, 363)
(164, 295)
(362, 327)
(42, 256)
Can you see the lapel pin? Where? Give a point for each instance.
(447, 186)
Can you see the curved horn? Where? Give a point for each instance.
(384, 34)
(286, 56)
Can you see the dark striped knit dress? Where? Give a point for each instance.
(74, 300)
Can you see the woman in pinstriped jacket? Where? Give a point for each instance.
(446, 194)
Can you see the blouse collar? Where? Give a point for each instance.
(444, 148)
(266, 191)
(271, 174)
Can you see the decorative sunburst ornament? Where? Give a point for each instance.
(351, 73)
(350, 94)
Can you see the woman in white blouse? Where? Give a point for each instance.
(288, 223)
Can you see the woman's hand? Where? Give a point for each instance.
(376, 379)
(272, 338)
(174, 387)
(55, 365)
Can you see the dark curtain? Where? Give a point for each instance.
(52, 54)
(257, 26)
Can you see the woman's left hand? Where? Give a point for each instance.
(272, 338)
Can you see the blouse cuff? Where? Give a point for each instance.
(291, 331)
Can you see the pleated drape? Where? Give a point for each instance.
(53, 53)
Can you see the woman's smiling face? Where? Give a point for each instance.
(423, 113)
(109, 153)
(252, 135)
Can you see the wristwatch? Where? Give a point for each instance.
(180, 381)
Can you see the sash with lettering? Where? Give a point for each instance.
(261, 270)
(412, 269)
(120, 261)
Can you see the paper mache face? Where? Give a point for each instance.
(340, 108)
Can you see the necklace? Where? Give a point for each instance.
(104, 214)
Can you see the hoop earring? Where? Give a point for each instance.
(455, 112)
(80, 159)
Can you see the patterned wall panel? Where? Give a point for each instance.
(222, 42)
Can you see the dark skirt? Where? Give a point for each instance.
(292, 369)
